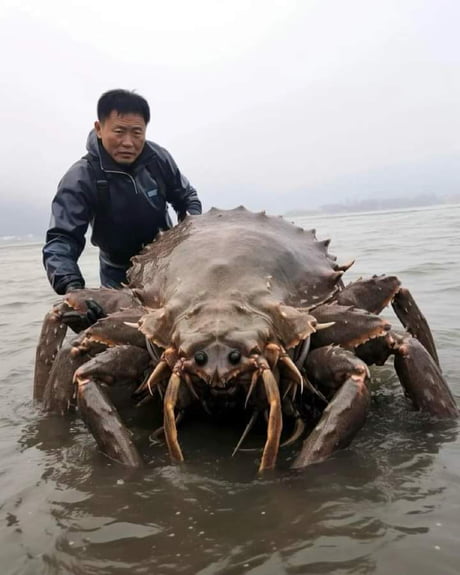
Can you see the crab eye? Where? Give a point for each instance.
(234, 357)
(201, 358)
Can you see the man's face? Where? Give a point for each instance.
(123, 136)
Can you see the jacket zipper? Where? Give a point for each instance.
(120, 172)
(130, 177)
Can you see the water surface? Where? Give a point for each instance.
(389, 503)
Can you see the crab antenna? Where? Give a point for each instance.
(188, 381)
(298, 430)
(275, 420)
(169, 421)
(304, 349)
(161, 370)
(247, 429)
(152, 351)
(254, 378)
(316, 391)
(153, 437)
(291, 391)
(295, 372)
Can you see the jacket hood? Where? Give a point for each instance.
(92, 143)
(96, 149)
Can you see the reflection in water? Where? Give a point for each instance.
(213, 515)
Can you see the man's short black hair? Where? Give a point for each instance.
(123, 102)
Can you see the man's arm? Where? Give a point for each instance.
(71, 213)
(179, 193)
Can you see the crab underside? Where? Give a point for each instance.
(236, 310)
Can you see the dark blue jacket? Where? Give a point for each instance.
(126, 206)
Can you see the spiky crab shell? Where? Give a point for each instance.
(232, 277)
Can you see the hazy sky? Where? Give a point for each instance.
(256, 100)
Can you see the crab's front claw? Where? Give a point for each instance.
(422, 379)
(73, 306)
(334, 367)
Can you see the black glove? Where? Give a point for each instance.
(73, 286)
(78, 321)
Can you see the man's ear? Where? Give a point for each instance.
(97, 127)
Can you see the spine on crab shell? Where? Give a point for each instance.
(344, 267)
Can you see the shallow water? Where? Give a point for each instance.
(389, 503)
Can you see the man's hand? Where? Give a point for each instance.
(182, 215)
(72, 286)
(78, 321)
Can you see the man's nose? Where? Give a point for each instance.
(127, 141)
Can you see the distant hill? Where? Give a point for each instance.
(436, 178)
(431, 182)
(378, 204)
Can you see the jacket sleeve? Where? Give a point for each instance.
(71, 213)
(179, 193)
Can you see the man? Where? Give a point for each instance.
(121, 188)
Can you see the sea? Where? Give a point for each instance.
(389, 503)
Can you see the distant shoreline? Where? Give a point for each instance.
(369, 207)
(11, 243)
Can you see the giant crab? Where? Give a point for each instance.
(237, 310)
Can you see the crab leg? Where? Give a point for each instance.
(59, 391)
(98, 411)
(99, 414)
(51, 338)
(372, 294)
(254, 379)
(346, 413)
(169, 424)
(275, 420)
(422, 379)
(418, 372)
(414, 321)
